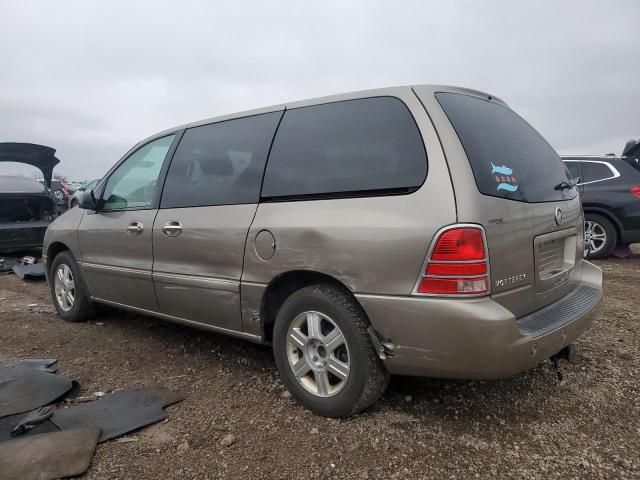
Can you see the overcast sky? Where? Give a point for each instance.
(92, 78)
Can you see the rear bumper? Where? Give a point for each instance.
(478, 338)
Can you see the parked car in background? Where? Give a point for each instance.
(26, 206)
(26, 210)
(74, 199)
(59, 189)
(610, 192)
(74, 186)
(416, 230)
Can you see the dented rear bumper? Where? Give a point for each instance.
(477, 338)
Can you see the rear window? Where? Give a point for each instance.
(593, 171)
(508, 157)
(357, 147)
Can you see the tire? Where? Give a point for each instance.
(59, 195)
(600, 233)
(327, 307)
(80, 308)
(73, 203)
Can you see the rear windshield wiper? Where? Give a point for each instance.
(567, 185)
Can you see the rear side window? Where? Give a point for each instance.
(508, 157)
(221, 163)
(357, 147)
(596, 171)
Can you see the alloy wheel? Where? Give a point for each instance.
(318, 354)
(595, 237)
(64, 287)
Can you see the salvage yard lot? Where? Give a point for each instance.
(527, 426)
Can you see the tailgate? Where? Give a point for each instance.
(533, 259)
(508, 179)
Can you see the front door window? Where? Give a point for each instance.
(133, 184)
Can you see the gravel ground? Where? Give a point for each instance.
(238, 422)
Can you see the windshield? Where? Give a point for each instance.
(508, 157)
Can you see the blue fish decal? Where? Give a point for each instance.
(501, 169)
(508, 187)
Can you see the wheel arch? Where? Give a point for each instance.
(285, 284)
(53, 250)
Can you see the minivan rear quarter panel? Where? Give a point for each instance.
(372, 244)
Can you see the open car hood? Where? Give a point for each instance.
(39, 156)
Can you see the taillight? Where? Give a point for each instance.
(635, 191)
(457, 265)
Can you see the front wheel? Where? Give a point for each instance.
(324, 353)
(68, 291)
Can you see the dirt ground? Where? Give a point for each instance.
(528, 426)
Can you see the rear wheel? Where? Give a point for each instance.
(324, 353)
(600, 236)
(68, 291)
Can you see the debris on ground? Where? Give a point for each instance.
(587, 428)
(228, 440)
(32, 385)
(29, 268)
(49, 455)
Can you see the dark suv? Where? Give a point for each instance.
(610, 192)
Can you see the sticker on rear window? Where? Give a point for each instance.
(503, 176)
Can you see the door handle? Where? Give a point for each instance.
(135, 228)
(172, 229)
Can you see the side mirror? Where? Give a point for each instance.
(87, 200)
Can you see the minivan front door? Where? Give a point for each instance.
(115, 240)
(208, 202)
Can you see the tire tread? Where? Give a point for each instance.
(378, 379)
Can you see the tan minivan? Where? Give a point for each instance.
(423, 230)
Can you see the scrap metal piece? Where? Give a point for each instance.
(48, 456)
(377, 344)
(29, 270)
(120, 412)
(384, 349)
